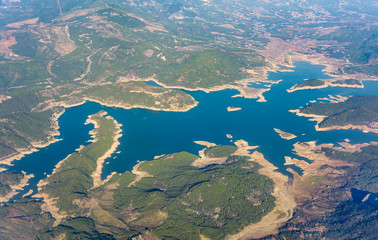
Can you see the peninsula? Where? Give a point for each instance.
(357, 112)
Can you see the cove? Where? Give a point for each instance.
(151, 133)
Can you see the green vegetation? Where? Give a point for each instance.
(364, 176)
(204, 69)
(73, 179)
(192, 44)
(357, 110)
(109, 46)
(139, 94)
(217, 200)
(20, 126)
(334, 210)
(28, 126)
(25, 46)
(349, 82)
(121, 18)
(347, 220)
(358, 116)
(213, 201)
(350, 217)
(7, 179)
(362, 52)
(76, 228)
(175, 197)
(168, 163)
(28, 45)
(367, 153)
(220, 151)
(28, 73)
(26, 121)
(310, 83)
(71, 66)
(23, 219)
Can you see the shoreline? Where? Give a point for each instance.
(16, 188)
(203, 160)
(284, 135)
(259, 75)
(240, 85)
(256, 75)
(318, 171)
(284, 203)
(289, 194)
(330, 69)
(285, 53)
(138, 174)
(325, 85)
(205, 143)
(189, 107)
(319, 118)
(35, 146)
(312, 117)
(313, 152)
(96, 175)
(332, 99)
(363, 128)
(233, 109)
(49, 204)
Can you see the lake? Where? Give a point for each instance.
(150, 133)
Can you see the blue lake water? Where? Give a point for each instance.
(150, 133)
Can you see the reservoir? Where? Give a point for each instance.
(151, 133)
